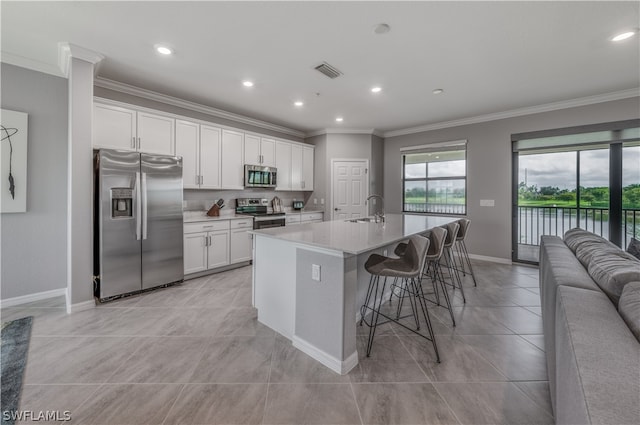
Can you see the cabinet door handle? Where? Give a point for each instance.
(207, 227)
(133, 142)
(138, 143)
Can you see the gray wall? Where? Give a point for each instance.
(489, 165)
(345, 146)
(146, 103)
(34, 244)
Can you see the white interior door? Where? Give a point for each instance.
(350, 186)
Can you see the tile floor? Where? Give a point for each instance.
(195, 354)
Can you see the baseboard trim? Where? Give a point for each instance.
(339, 366)
(85, 305)
(491, 259)
(38, 296)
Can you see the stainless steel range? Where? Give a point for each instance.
(257, 208)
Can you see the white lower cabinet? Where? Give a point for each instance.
(195, 252)
(218, 250)
(212, 244)
(206, 246)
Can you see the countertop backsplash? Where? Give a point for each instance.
(202, 200)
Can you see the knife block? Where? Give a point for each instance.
(214, 211)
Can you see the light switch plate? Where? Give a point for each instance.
(487, 203)
(315, 272)
(315, 201)
(321, 201)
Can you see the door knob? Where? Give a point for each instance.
(336, 209)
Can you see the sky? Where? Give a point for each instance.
(559, 169)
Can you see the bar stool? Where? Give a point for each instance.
(452, 233)
(408, 268)
(461, 248)
(432, 266)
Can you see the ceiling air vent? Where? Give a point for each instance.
(328, 70)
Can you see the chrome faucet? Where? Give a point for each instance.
(381, 214)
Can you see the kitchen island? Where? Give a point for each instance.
(309, 280)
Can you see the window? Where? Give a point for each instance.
(585, 177)
(435, 180)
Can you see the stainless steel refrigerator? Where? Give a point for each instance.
(138, 225)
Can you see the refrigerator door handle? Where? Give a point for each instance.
(138, 207)
(144, 206)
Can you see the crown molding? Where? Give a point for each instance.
(371, 131)
(67, 51)
(529, 110)
(192, 106)
(32, 64)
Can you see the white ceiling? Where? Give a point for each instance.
(489, 57)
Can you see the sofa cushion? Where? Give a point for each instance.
(597, 361)
(585, 250)
(634, 248)
(558, 267)
(629, 307)
(612, 270)
(575, 237)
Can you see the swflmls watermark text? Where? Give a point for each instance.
(36, 415)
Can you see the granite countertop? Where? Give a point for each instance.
(356, 238)
(195, 216)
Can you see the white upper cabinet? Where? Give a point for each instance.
(300, 173)
(283, 165)
(296, 167)
(307, 168)
(114, 127)
(232, 163)
(122, 128)
(188, 147)
(259, 150)
(210, 157)
(155, 134)
(252, 149)
(268, 152)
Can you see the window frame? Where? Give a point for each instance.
(427, 179)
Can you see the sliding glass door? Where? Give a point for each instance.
(560, 184)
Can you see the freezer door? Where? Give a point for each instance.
(120, 227)
(162, 223)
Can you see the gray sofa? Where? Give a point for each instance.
(590, 296)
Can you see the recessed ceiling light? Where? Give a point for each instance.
(247, 83)
(163, 50)
(438, 91)
(339, 119)
(381, 29)
(376, 89)
(624, 36)
(298, 103)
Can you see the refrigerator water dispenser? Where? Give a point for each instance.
(121, 202)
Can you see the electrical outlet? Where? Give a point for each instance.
(321, 201)
(384, 252)
(373, 201)
(315, 201)
(315, 272)
(487, 203)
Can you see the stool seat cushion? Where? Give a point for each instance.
(373, 260)
(401, 249)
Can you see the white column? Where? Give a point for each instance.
(78, 65)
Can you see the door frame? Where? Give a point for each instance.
(367, 185)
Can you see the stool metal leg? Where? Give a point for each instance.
(466, 257)
(376, 313)
(417, 290)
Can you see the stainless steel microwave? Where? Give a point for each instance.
(259, 176)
